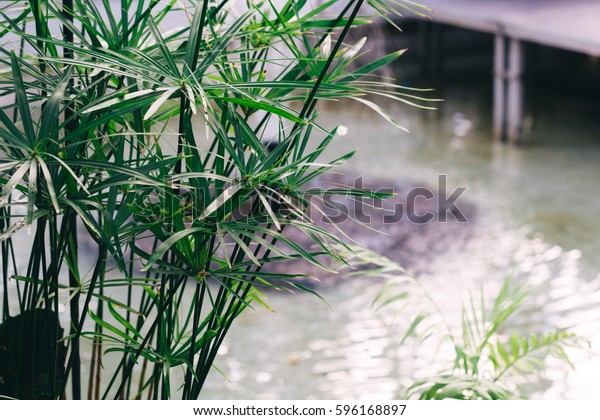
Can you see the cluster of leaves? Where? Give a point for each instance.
(490, 360)
(153, 141)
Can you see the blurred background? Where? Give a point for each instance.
(532, 205)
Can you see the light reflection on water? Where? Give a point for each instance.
(537, 219)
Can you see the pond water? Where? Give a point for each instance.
(537, 209)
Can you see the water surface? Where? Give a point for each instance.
(536, 219)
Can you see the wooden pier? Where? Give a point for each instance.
(572, 25)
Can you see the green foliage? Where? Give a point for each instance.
(491, 359)
(143, 150)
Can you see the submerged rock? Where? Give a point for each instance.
(411, 228)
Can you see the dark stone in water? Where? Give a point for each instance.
(386, 228)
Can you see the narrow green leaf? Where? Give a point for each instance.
(159, 102)
(22, 100)
(268, 208)
(514, 345)
(220, 200)
(271, 107)
(162, 45)
(123, 99)
(111, 328)
(49, 183)
(51, 111)
(15, 179)
(380, 111)
(413, 326)
(502, 352)
(372, 66)
(168, 243)
(121, 320)
(247, 251)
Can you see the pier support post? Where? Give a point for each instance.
(499, 86)
(508, 88)
(431, 47)
(515, 90)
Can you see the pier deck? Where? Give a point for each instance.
(572, 25)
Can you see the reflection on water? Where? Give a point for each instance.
(537, 219)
